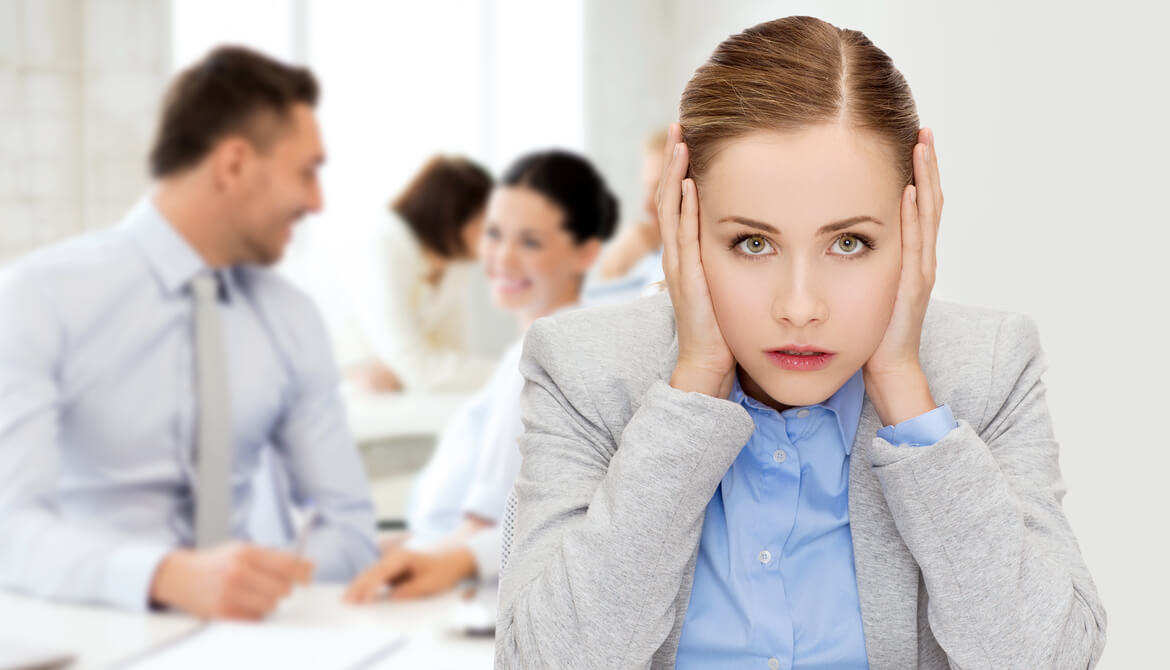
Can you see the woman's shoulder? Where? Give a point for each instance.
(615, 351)
(976, 357)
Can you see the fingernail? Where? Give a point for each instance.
(914, 195)
(677, 149)
(686, 187)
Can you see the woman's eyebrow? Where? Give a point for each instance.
(827, 228)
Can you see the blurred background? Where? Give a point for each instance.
(1051, 131)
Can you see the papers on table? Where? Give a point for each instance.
(224, 646)
(17, 655)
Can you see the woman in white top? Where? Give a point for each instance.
(409, 286)
(545, 226)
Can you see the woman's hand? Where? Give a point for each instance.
(705, 364)
(413, 574)
(894, 379)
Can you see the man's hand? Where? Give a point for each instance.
(231, 581)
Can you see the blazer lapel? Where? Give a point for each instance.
(887, 576)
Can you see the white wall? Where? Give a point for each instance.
(79, 82)
(1052, 137)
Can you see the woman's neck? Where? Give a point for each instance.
(434, 266)
(525, 319)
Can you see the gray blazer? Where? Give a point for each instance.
(964, 557)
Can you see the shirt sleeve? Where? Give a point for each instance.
(498, 452)
(485, 546)
(43, 553)
(922, 430)
(325, 470)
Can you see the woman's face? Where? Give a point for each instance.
(800, 239)
(531, 260)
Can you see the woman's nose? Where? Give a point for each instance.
(798, 301)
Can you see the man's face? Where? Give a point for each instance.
(278, 186)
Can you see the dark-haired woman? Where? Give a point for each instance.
(544, 228)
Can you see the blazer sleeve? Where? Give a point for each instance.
(981, 513)
(605, 528)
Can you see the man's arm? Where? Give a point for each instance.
(325, 469)
(42, 553)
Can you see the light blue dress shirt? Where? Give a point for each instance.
(98, 414)
(775, 585)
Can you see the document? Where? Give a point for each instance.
(21, 655)
(228, 645)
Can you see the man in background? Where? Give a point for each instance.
(144, 370)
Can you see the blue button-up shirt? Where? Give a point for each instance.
(775, 585)
(98, 412)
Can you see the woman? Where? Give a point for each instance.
(793, 462)
(408, 287)
(545, 226)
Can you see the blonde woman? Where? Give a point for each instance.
(795, 459)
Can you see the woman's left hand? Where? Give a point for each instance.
(894, 379)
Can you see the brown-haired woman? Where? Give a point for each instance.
(408, 288)
(795, 459)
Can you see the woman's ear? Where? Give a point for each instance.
(587, 253)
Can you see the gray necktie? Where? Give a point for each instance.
(213, 492)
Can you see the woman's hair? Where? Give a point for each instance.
(445, 195)
(792, 73)
(571, 183)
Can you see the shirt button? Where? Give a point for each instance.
(765, 556)
(779, 456)
(802, 413)
(774, 663)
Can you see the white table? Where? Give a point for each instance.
(102, 638)
(385, 417)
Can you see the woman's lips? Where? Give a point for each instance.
(803, 361)
(510, 285)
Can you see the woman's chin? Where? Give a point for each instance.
(797, 389)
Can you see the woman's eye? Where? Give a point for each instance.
(754, 245)
(848, 245)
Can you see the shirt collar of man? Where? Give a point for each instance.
(174, 262)
(845, 405)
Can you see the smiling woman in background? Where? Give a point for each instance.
(795, 459)
(544, 228)
(408, 286)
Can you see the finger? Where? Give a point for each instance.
(252, 579)
(366, 585)
(911, 235)
(688, 227)
(932, 160)
(244, 604)
(419, 584)
(280, 564)
(926, 180)
(673, 135)
(668, 211)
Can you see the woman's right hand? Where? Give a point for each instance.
(705, 364)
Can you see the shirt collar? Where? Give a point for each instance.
(845, 404)
(174, 262)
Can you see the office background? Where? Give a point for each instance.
(1051, 127)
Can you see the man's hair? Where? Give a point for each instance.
(233, 90)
